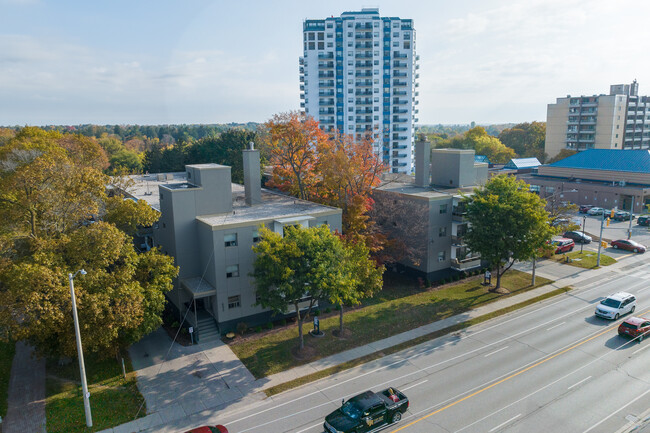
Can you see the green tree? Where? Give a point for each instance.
(564, 153)
(507, 223)
(526, 139)
(302, 264)
(127, 159)
(127, 215)
(482, 143)
(362, 278)
(119, 300)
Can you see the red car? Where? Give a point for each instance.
(629, 245)
(209, 429)
(563, 245)
(584, 208)
(635, 327)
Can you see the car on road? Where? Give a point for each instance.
(367, 412)
(622, 215)
(209, 429)
(595, 211)
(629, 245)
(577, 237)
(635, 327)
(616, 305)
(584, 208)
(643, 220)
(563, 245)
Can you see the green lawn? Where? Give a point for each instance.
(586, 260)
(113, 399)
(7, 351)
(272, 353)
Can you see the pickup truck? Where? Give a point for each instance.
(367, 412)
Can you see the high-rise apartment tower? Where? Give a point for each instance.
(620, 120)
(358, 76)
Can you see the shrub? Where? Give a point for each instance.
(283, 322)
(258, 329)
(316, 313)
(269, 325)
(337, 308)
(175, 324)
(328, 310)
(443, 281)
(242, 327)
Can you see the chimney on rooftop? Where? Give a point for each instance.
(423, 162)
(252, 177)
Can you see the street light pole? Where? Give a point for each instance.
(584, 221)
(629, 228)
(82, 368)
(600, 239)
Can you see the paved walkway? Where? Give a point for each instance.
(26, 400)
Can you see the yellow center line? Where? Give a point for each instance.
(504, 379)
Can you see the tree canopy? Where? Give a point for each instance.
(482, 143)
(50, 186)
(526, 139)
(507, 223)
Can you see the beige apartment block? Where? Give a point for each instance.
(619, 120)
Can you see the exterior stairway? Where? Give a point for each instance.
(208, 330)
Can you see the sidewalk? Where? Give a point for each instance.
(167, 404)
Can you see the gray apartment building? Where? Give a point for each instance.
(619, 120)
(427, 212)
(210, 225)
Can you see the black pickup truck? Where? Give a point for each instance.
(367, 412)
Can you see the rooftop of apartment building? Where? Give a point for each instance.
(405, 184)
(274, 205)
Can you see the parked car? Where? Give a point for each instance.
(577, 237)
(584, 208)
(209, 429)
(629, 245)
(367, 412)
(622, 215)
(595, 211)
(635, 327)
(616, 305)
(563, 245)
(643, 220)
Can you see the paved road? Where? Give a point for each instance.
(550, 367)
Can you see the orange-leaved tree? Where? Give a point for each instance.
(294, 142)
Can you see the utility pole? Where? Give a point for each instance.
(629, 228)
(600, 239)
(584, 221)
(82, 368)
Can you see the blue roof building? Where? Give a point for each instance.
(608, 159)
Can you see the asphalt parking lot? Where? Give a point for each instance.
(616, 230)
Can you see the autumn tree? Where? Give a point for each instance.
(564, 153)
(507, 223)
(128, 215)
(294, 142)
(526, 139)
(304, 264)
(119, 300)
(482, 143)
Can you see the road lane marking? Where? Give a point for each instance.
(502, 424)
(310, 427)
(413, 386)
(614, 413)
(583, 380)
(496, 351)
(639, 350)
(596, 286)
(553, 327)
(475, 393)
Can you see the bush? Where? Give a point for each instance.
(175, 324)
(283, 322)
(242, 327)
(316, 313)
(443, 281)
(328, 310)
(337, 308)
(269, 325)
(258, 329)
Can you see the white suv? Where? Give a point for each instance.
(616, 305)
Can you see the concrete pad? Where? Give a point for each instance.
(150, 421)
(172, 412)
(192, 406)
(129, 427)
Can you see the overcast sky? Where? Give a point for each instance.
(199, 61)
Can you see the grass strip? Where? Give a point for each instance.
(7, 351)
(587, 259)
(114, 400)
(272, 353)
(407, 344)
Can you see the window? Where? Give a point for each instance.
(234, 302)
(442, 256)
(321, 45)
(549, 189)
(330, 45)
(312, 46)
(442, 232)
(232, 271)
(230, 240)
(256, 236)
(311, 36)
(443, 208)
(407, 45)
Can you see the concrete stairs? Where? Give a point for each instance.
(208, 330)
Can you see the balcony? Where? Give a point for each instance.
(326, 93)
(365, 92)
(362, 45)
(400, 111)
(363, 83)
(400, 74)
(325, 65)
(364, 55)
(470, 261)
(399, 155)
(397, 64)
(366, 119)
(327, 111)
(400, 101)
(363, 111)
(457, 240)
(363, 101)
(399, 92)
(363, 36)
(363, 74)
(399, 55)
(400, 119)
(325, 56)
(399, 83)
(326, 75)
(458, 213)
(400, 129)
(399, 146)
(366, 64)
(326, 83)
(363, 26)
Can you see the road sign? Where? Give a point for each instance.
(191, 329)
